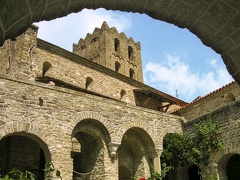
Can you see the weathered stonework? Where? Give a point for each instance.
(113, 50)
(92, 121)
(211, 102)
(79, 125)
(62, 110)
(216, 23)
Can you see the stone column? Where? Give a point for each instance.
(60, 150)
(111, 162)
(211, 171)
(156, 160)
(62, 161)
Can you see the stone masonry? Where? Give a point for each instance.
(113, 50)
(216, 23)
(92, 121)
(86, 128)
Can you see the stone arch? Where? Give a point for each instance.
(168, 131)
(78, 117)
(215, 23)
(28, 132)
(93, 139)
(24, 127)
(220, 159)
(222, 156)
(222, 165)
(146, 126)
(93, 127)
(136, 153)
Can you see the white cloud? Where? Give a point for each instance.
(173, 74)
(68, 30)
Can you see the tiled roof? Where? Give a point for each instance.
(199, 98)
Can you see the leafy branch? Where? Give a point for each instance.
(192, 149)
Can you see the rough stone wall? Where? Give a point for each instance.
(106, 46)
(216, 23)
(29, 57)
(53, 121)
(77, 74)
(228, 119)
(212, 102)
(16, 56)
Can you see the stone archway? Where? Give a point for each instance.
(90, 139)
(135, 154)
(229, 167)
(216, 23)
(25, 152)
(233, 167)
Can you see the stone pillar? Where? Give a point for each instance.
(64, 165)
(211, 171)
(156, 161)
(61, 158)
(111, 162)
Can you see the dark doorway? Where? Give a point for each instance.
(193, 173)
(22, 153)
(233, 167)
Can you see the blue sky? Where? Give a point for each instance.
(173, 58)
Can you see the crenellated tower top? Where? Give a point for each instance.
(109, 48)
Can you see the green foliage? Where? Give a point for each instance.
(50, 172)
(19, 175)
(16, 174)
(176, 149)
(165, 170)
(186, 150)
(133, 177)
(155, 175)
(207, 140)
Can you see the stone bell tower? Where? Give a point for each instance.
(113, 50)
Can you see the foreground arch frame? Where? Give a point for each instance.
(216, 23)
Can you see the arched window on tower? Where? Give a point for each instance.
(117, 45)
(83, 47)
(117, 66)
(130, 53)
(131, 73)
(95, 39)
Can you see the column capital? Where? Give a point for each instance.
(112, 147)
(158, 151)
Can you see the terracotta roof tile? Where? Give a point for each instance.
(199, 98)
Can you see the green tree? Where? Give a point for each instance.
(192, 148)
